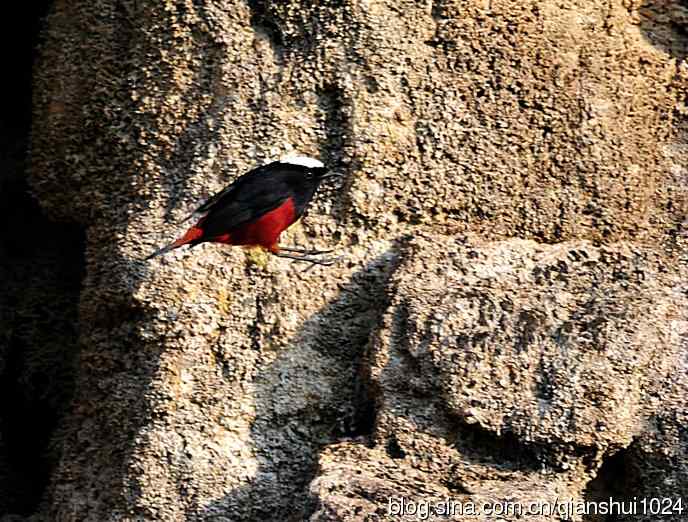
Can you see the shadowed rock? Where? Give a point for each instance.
(509, 371)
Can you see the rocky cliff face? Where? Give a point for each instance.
(509, 318)
(41, 263)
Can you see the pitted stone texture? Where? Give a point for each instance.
(209, 380)
(356, 483)
(563, 344)
(533, 357)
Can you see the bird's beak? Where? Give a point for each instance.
(332, 175)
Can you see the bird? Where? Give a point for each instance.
(257, 207)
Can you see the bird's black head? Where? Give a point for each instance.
(305, 171)
(303, 175)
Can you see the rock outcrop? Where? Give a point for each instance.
(507, 372)
(509, 318)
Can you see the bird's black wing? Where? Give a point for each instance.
(237, 213)
(228, 192)
(257, 194)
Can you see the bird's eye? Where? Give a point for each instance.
(309, 175)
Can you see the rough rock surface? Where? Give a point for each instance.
(358, 483)
(209, 383)
(525, 365)
(558, 345)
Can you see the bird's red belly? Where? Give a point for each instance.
(264, 231)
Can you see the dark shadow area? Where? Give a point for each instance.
(40, 285)
(41, 268)
(264, 21)
(505, 451)
(295, 441)
(617, 478)
(648, 478)
(664, 23)
(337, 126)
(307, 25)
(332, 103)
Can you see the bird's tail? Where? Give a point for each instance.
(164, 250)
(192, 237)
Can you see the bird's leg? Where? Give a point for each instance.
(323, 262)
(305, 251)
